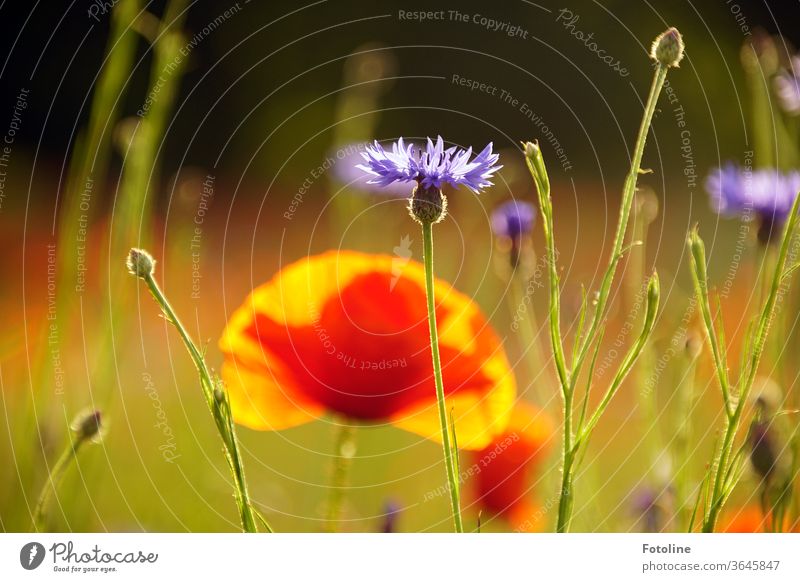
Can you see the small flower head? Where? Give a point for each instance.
(140, 263)
(763, 449)
(513, 219)
(391, 512)
(648, 506)
(431, 168)
(787, 87)
(512, 224)
(535, 162)
(667, 48)
(88, 425)
(768, 194)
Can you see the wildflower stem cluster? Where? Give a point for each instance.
(576, 432)
(728, 463)
(141, 264)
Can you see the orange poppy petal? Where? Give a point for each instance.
(527, 517)
(751, 519)
(478, 416)
(258, 402)
(503, 481)
(347, 332)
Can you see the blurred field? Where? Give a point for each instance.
(143, 479)
(263, 130)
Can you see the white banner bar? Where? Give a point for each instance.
(401, 557)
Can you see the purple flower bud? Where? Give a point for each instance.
(667, 48)
(762, 448)
(647, 507)
(390, 512)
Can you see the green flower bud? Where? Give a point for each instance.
(535, 161)
(88, 425)
(668, 48)
(427, 205)
(140, 263)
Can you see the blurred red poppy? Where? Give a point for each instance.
(504, 469)
(347, 332)
(751, 519)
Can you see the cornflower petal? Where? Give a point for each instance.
(433, 167)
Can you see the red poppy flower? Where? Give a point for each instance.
(751, 519)
(505, 467)
(347, 332)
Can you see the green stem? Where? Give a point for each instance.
(56, 474)
(344, 451)
(219, 405)
(644, 368)
(452, 478)
(566, 495)
(683, 434)
(624, 215)
(717, 495)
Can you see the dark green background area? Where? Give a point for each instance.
(256, 77)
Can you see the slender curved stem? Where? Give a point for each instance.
(56, 474)
(449, 461)
(219, 405)
(624, 214)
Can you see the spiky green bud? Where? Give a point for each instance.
(668, 48)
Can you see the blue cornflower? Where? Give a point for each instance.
(768, 194)
(513, 219)
(431, 168)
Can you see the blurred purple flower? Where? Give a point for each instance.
(787, 86)
(513, 219)
(767, 193)
(647, 508)
(431, 168)
(391, 511)
(346, 170)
